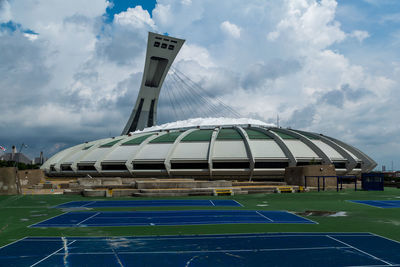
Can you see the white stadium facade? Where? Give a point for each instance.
(206, 148)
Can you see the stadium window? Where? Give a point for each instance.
(166, 39)
(189, 165)
(231, 165)
(149, 166)
(86, 168)
(171, 47)
(173, 41)
(158, 38)
(156, 44)
(340, 165)
(305, 163)
(164, 45)
(66, 168)
(114, 167)
(271, 165)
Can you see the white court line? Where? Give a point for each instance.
(97, 213)
(370, 265)
(204, 251)
(36, 263)
(13, 242)
(355, 202)
(180, 216)
(62, 204)
(91, 202)
(238, 203)
(206, 236)
(344, 243)
(264, 216)
(174, 223)
(301, 217)
(212, 202)
(170, 224)
(385, 238)
(29, 226)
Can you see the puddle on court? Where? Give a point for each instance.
(24, 219)
(323, 213)
(262, 205)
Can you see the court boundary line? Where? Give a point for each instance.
(355, 201)
(238, 203)
(301, 216)
(15, 241)
(203, 251)
(211, 236)
(63, 204)
(87, 204)
(305, 220)
(180, 200)
(33, 224)
(160, 225)
(264, 216)
(90, 217)
(48, 256)
(206, 236)
(360, 250)
(385, 237)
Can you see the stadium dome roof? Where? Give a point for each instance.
(211, 147)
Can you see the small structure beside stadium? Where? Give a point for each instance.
(210, 148)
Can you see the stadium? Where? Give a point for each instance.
(208, 150)
(203, 147)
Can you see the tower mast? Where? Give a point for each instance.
(160, 54)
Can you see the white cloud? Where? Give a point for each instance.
(230, 29)
(359, 35)
(134, 17)
(310, 23)
(5, 11)
(31, 37)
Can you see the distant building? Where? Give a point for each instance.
(39, 160)
(19, 157)
(16, 157)
(392, 174)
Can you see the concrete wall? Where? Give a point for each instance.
(295, 175)
(30, 177)
(8, 181)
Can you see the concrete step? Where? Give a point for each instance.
(181, 184)
(258, 183)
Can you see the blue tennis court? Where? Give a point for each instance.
(274, 249)
(379, 203)
(183, 217)
(151, 203)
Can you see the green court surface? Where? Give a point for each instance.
(18, 212)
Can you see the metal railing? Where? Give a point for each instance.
(339, 181)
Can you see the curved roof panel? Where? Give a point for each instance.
(236, 147)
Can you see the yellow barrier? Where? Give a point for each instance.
(223, 192)
(285, 189)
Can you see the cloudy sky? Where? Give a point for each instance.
(70, 70)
